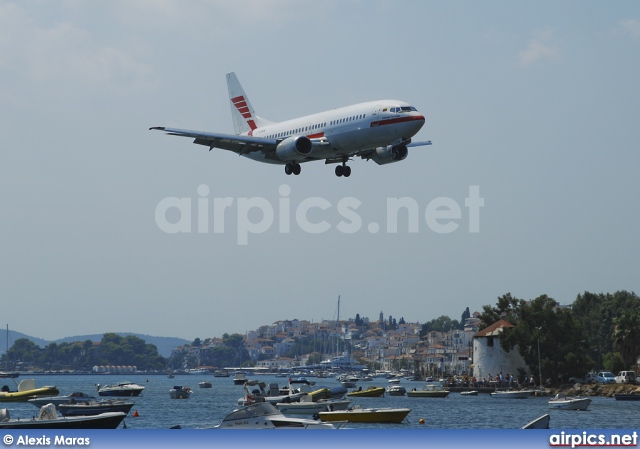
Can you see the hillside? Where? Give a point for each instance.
(164, 344)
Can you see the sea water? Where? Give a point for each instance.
(208, 406)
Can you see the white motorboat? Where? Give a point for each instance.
(272, 395)
(562, 402)
(264, 415)
(49, 419)
(120, 389)
(469, 393)
(396, 390)
(511, 394)
(180, 392)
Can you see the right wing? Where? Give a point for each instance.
(239, 144)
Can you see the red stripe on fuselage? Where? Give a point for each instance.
(392, 121)
(316, 136)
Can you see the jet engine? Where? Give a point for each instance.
(294, 148)
(389, 154)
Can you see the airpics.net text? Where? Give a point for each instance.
(256, 215)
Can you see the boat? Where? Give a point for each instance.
(95, 407)
(429, 390)
(371, 392)
(26, 390)
(394, 381)
(57, 400)
(366, 415)
(180, 392)
(264, 415)
(205, 384)
(396, 390)
(49, 419)
(539, 423)
(627, 397)
(562, 402)
(219, 373)
(120, 389)
(511, 394)
(240, 378)
(306, 406)
(469, 393)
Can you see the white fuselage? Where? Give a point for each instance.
(347, 130)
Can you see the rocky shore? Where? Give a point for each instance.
(595, 390)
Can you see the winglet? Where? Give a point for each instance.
(160, 128)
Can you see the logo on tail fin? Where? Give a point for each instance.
(245, 120)
(241, 105)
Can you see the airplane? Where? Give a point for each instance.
(378, 130)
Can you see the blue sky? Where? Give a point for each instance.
(534, 103)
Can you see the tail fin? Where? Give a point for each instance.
(245, 119)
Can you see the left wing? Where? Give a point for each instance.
(239, 144)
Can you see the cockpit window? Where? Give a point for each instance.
(402, 109)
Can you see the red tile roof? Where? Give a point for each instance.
(494, 329)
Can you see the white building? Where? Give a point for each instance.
(488, 356)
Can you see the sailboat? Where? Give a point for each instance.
(8, 373)
(342, 361)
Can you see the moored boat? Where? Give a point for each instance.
(26, 390)
(306, 406)
(120, 389)
(205, 384)
(396, 390)
(76, 396)
(95, 407)
(562, 402)
(264, 415)
(469, 393)
(180, 392)
(366, 415)
(429, 390)
(511, 394)
(371, 392)
(240, 378)
(627, 397)
(49, 419)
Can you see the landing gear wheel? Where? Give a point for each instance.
(297, 169)
(288, 169)
(339, 170)
(346, 171)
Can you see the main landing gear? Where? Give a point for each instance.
(292, 167)
(343, 170)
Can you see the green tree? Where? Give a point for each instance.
(626, 336)
(542, 324)
(505, 309)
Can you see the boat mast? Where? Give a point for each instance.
(337, 327)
